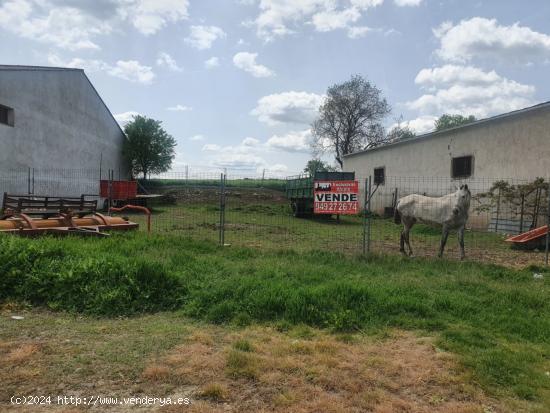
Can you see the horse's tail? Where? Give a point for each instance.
(396, 216)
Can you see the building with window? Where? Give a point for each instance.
(54, 127)
(512, 146)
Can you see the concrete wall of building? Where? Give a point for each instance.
(514, 148)
(60, 122)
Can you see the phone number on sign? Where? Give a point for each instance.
(336, 206)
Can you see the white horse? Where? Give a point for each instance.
(449, 211)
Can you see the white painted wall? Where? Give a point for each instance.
(60, 123)
(516, 147)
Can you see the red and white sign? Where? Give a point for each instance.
(336, 197)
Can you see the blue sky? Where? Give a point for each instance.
(238, 82)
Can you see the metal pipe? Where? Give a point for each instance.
(146, 211)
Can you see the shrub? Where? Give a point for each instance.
(42, 273)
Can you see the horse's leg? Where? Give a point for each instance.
(402, 241)
(407, 232)
(461, 242)
(444, 236)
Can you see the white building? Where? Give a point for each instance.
(53, 123)
(512, 146)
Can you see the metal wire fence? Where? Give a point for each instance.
(252, 210)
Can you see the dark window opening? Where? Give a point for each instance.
(462, 167)
(379, 176)
(6, 115)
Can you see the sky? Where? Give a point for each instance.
(238, 82)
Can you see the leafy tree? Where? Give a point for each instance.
(452, 121)
(317, 165)
(525, 201)
(400, 133)
(148, 147)
(350, 118)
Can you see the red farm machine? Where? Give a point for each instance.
(32, 215)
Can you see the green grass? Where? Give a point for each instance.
(496, 319)
(272, 226)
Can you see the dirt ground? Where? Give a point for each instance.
(223, 369)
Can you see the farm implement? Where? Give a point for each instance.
(535, 238)
(36, 215)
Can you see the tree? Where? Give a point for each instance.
(452, 121)
(148, 148)
(526, 201)
(400, 131)
(317, 165)
(350, 118)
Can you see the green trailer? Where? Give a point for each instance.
(299, 189)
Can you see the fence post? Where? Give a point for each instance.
(110, 191)
(498, 212)
(369, 221)
(222, 209)
(28, 181)
(366, 217)
(547, 225)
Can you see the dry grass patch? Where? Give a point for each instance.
(261, 369)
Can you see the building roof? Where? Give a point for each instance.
(61, 69)
(457, 128)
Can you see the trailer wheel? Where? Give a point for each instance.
(296, 210)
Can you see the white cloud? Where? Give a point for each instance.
(202, 37)
(288, 107)
(292, 141)
(403, 3)
(211, 147)
(484, 38)
(329, 20)
(358, 31)
(75, 25)
(64, 27)
(451, 74)
(150, 16)
(236, 157)
(196, 138)
(179, 108)
(165, 60)
(278, 168)
(212, 62)
(247, 62)
(422, 124)
(130, 70)
(468, 90)
(278, 18)
(238, 161)
(250, 142)
(125, 117)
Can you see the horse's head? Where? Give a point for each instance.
(464, 196)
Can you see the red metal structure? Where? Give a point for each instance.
(530, 239)
(119, 189)
(35, 215)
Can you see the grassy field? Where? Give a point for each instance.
(494, 320)
(258, 223)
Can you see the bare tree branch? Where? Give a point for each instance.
(350, 119)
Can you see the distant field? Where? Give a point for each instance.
(495, 320)
(276, 184)
(263, 219)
